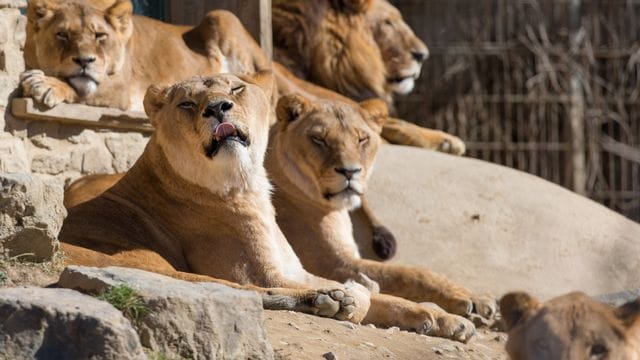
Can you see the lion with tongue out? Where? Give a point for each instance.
(196, 205)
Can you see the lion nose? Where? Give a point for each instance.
(84, 61)
(218, 109)
(420, 55)
(348, 172)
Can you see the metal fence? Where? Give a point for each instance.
(550, 87)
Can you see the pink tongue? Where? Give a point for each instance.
(224, 130)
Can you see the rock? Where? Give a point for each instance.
(195, 320)
(125, 149)
(13, 4)
(530, 234)
(13, 156)
(329, 356)
(50, 163)
(31, 215)
(63, 324)
(97, 160)
(619, 298)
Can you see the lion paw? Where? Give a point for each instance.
(43, 89)
(453, 327)
(452, 145)
(334, 303)
(485, 306)
(384, 243)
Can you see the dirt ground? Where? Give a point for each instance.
(301, 337)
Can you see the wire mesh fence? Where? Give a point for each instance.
(550, 87)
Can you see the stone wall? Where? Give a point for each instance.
(51, 150)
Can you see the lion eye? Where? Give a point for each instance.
(318, 140)
(187, 105)
(101, 36)
(237, 90)
(388, 22)
(363, 140)
(61, 35)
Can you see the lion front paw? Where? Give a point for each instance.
(485, 306)
(452, 327)
(452, 145)
(45, 90)
(384, 243)
(334, 303)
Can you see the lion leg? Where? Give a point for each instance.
(383, 241)
(401, 132)
(388, 311)
(46, 90)
(422, 285)
(338, 302)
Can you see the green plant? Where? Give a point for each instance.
(3, 277)
(125, 299)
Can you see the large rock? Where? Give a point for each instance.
(13, 156)
(194, 320)
(495, 229)
(31, 215)
(38, 323)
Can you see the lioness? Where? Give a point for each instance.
(319, 159)
(361, 49)
(196, 205)
(570, 327)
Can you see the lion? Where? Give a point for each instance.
(571, 327)
(360, 49)
(196, 205)
(97, 53)
(319, 160)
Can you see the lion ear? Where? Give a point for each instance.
(376, 113)
(119, 15)
(629, 314)
(40, 11)
(265, 80)
(291, 107)
(154, 100)
(352, 6)
(517, 307)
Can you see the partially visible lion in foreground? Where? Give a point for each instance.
(570, 327)
(196, 205)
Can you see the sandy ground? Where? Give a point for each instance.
(300, 337)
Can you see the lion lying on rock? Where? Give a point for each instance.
(319, 159)
(570, 327)
(196, 205)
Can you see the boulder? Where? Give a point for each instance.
(495, 229)
(31, 215)
(37, 323)
(189, 320)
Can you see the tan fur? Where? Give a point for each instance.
(361, 49)
(312, 148)
(183, 212)
(130, 52)
(570, 327)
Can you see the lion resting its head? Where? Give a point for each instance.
(338, 142)
(359, 48)
(570, 327)
(79, 43)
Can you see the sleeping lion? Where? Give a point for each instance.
(196, 205)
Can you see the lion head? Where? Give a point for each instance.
(573, 326)
(80, 42)
(359, 48)
(327, 148)
(214, 130)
